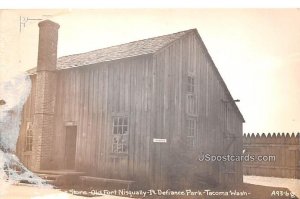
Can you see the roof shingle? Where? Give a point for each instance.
(136, 48)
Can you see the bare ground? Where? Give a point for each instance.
(24, 191)
(292, 184)
(254, 187)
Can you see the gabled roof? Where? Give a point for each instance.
(132, 49)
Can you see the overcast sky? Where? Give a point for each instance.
(257, 51)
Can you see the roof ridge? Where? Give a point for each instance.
(188, 30)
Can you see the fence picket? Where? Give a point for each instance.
(284, 146)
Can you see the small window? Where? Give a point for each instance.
(120, 135)
(29, 137)
(191, 132)
(191, 104)
(191, 84)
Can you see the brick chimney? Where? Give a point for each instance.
(43, 123)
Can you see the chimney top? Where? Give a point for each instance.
(48, 23)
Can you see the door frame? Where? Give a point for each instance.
(70, 126)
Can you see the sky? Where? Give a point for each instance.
(256, 51)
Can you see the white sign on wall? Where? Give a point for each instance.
(70, 123)
(158, 140)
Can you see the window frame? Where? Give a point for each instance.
(191, 132)
(120, 135)
(191, 104)
(28, 137)
(190, 83)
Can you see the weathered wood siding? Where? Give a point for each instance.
(172, 65)
(152, 91)
(90, 97)
(27, 116)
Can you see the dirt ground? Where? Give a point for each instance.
(292, 184)
(243, 191)
(254, 187)
(23, 191)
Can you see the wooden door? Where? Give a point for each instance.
(229, 167)
(70, 147)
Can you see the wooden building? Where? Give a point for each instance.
(132, 111)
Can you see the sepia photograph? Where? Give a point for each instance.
(150, 103)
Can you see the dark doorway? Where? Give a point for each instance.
(70, 147)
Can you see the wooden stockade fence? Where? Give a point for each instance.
(285, 147)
